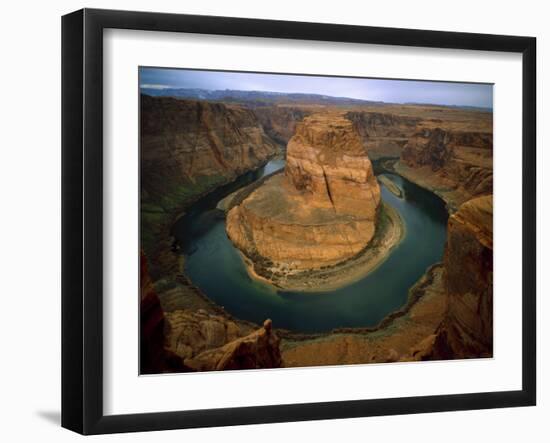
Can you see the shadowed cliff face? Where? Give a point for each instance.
(458, 165)
(384, 134)
(279, 122)
(154, 358)
(431, 148)
(436, 148)
(467, 330)
(187, 149)
(195, 142)
(321, 211)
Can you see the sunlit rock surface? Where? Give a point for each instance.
(321, 211)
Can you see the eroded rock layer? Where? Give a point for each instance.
(321, 211)
(154, 357)
(185, 340)
(188, 148)
(194, 142)
(279, 121)
(456, 164)
(467, 330)
(327, 160)
(384, 134)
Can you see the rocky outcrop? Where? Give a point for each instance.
(457, 165)
(154, 358)
(467, 330)
(322, 211)
(192, 332)
(259, 349)
(327, 160)
(211, 342)
(185, 340)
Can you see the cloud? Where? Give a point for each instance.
(154, 86)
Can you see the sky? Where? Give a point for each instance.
(391, 91)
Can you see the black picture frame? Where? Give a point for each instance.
(82, 218)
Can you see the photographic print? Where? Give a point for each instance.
(306, 220)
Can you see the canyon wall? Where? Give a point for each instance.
(323, 209)
(187, 149)
(446, 150)
(384, 134)
(195, 144)
(279, 121)
(455, 164)
(467, 330)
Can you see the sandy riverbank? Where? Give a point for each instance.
(390, 231)
(391, 186)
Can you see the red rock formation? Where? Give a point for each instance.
(195, 143)
(467, 330)
(321, 212)
(154, 358)
(384, 134)
(372, 124)
(431, 148)
(327, 158)
(194, 331)
(259, 349)
(458, 165)
(212, 137)
(184, 340)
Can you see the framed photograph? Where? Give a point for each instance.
(269, 221)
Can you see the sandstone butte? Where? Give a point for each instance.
(320, 212)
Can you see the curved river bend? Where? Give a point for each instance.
(214, 265)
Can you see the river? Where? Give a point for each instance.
(214, 265)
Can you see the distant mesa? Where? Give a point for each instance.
(254, 97)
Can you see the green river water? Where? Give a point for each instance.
(214, 265)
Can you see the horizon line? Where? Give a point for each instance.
(160, 87)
